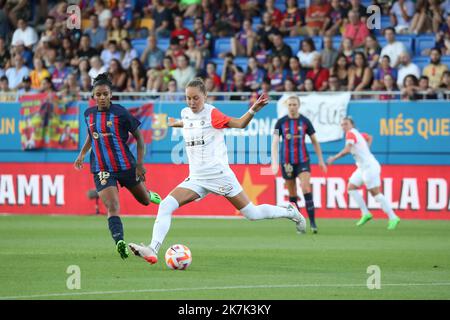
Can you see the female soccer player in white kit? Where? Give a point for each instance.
(209, 171)
(368, 172)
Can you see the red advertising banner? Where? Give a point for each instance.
(417, 192)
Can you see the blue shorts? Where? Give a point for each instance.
(292, 171)
(104, 179)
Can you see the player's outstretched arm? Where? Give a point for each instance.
(274, 153)
(243, 121)
(318, 151)
(342, 153)
(79, 160)
(174, 123)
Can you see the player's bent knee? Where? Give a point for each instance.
(113, 207)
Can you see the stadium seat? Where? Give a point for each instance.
(385, 22)
(382, 41)
(163, 43)
(407, 40)
(139, 45)
(241, 62)
(421, 61)
(366, 3)
(189, 23)
(280, 5)
(222, 45)
(219, 65)
(294, 43)
(446, 60)
(301, 3)
(337, 40)
(318, 42)
(424, 42)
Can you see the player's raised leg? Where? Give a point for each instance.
(110, 198)
(143, 195)
(266, 211)
(386, 207)
(176, 199)
(355, 182)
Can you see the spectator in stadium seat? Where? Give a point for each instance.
(393, 48)
(194, 54)
(152, 56)
(421, 21)
(356, 30)
(4, 56)
(189, 8)
(361, 76)
(4, 23)
(443, 37)
(67, 50)
(401, 14)
(249, 8)
(254, 75)
(136, 81)
(275, 14)
(307, 53)
(116, 32)
(355, 5)
(180, 31)
(335, 18)
(292, 24)
(128, 53)
(118, 75)
(372, 51)
(228, 71)
(103, 13)
(238, 85)
(4, 88)
(184, 72)
(308, 85)
(280, 48)
(70, 87)
(124, 12)
(390, 86)
(266, 29)
(424, 85)
(97, 67)
(38, 74)
(166, 72)
(24, 33)
(50, 33)
(435, 69)
(316, 15)
(263, 53)
(25, 87)
(47, 86)
(17, 72)
(406, 67)
(211, 87)
(96, 33)
(242, 44)
(85, 83)
(208, 14)
(347, 50)
(59, 73)
(318, 74)
(341, 70)
(84, 48)
(381, 71)
(172, 90)
(154, 81)
(296, 73)
(229, 20)
(410, 88)
(211, 73)
(277, 74)
(203, 38)
(445, 86)
(25, 53)
(110, 52)
(333, 84)
(162, 18)
(83, 67)
(329, 54)
(59, 13)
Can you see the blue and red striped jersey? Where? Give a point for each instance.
(109, 132)
(293, 131)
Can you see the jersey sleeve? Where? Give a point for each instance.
(277, 129)
(310, 128)
(350, 138)
(219, 120)
(365, 136)
(132, 122)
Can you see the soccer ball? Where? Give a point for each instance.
(178, 257)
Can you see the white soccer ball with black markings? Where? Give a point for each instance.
(178, 257)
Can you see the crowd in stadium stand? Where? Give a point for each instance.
(235, 45)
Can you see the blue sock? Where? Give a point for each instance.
(116, 228)
(309, 204)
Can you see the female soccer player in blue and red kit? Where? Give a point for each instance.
(293, 128)
(111, 160)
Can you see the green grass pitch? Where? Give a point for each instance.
(232, 259)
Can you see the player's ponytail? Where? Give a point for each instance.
(197, 83)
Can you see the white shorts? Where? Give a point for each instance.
(227, 186)
(370, 177)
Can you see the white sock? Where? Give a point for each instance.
(264, 211)
(385, 205)
(359, 201)
(162, 223)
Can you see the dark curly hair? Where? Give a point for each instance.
(102, 79)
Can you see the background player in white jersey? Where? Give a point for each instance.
(209, 171)
(368, 172)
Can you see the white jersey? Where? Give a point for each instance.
(205, 143)
(360, 149)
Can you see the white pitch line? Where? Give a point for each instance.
(69, 294)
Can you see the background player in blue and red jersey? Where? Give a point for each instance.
(294, 157)
(111, 160)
